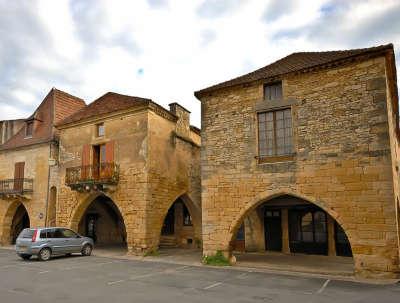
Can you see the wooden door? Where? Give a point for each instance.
(273, 230)
(19, 176)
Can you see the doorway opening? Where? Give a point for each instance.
(103, 222)
(19, 222)
(177, 229)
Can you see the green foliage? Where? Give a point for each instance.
(216, 260)
(152, 253)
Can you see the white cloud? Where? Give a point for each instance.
(165, 50)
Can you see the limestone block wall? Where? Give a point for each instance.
(342, 160)
(129, 133)
(36, 167)
(174, 171)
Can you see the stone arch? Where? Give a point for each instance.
(7, 220)
(84, 203)
(193, 208)
(52, 207)
(110, 209)
(266, 196)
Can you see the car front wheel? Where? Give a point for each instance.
(44, 254)
(86, 250)
(25, 257)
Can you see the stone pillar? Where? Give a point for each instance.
(285, 231)
(331, 236)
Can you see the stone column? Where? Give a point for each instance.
(331, 236)
(285, 231)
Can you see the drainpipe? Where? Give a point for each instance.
(48, 185)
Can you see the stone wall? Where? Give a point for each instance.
(130, 135)
(342, 160)
(156, 168)
(174, 172)
(36, 167)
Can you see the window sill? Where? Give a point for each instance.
(275, 159)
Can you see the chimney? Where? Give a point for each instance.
(183, 123)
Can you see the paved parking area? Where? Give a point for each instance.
(100, 279)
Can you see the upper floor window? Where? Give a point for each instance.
(273, 91)
(100, 130)
(275, 133)
(29, 129)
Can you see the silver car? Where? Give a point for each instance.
(51, 241)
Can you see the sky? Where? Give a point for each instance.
(165, 49)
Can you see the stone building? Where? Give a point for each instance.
(129, 174)
(301, 156)
(28, 153)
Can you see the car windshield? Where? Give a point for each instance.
(26, 233)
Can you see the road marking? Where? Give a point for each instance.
(323, 287)
(241, 275)
(115, 282)
(213, 285)
(43, 272)
(182, 267)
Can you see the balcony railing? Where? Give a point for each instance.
(16, 186)
(92, 175)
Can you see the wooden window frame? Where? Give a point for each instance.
(184, 211)
(98, 132)
(275, 157)
(273, 85)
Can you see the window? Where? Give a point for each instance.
(69, 233)
(187, 219)
(100, 130)
(275, 133)
(29, 129)
(273, 91)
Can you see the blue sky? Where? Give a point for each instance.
(165, 49)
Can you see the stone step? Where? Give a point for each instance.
(168, 241)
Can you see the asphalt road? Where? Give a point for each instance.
(97, 279)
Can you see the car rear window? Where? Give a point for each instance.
(26, 233)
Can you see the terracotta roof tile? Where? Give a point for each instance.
(44, 117)
(293, 63)
(109, 102)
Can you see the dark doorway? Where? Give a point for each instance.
(308, 231)
(103, 222)
(19, 222)
(342, 242)
(91, 220)
(169, 222)
(273, 230)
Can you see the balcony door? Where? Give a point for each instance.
(99, 159)
(19, 176)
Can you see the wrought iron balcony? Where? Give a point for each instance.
(92, 177)
(16, 186)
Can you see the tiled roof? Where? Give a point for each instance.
(296, 62)
(108, 103)
(56, 105)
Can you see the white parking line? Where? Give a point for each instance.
(242, 275)
(115, 282)
(323, 287)
(213, 285)
(43, 272)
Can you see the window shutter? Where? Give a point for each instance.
(86, 155)
(19, 175)
(110, 152)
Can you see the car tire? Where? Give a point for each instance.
(86, 250)
(25, 257)
(44, 254)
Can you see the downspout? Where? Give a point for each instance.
(48, 185)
